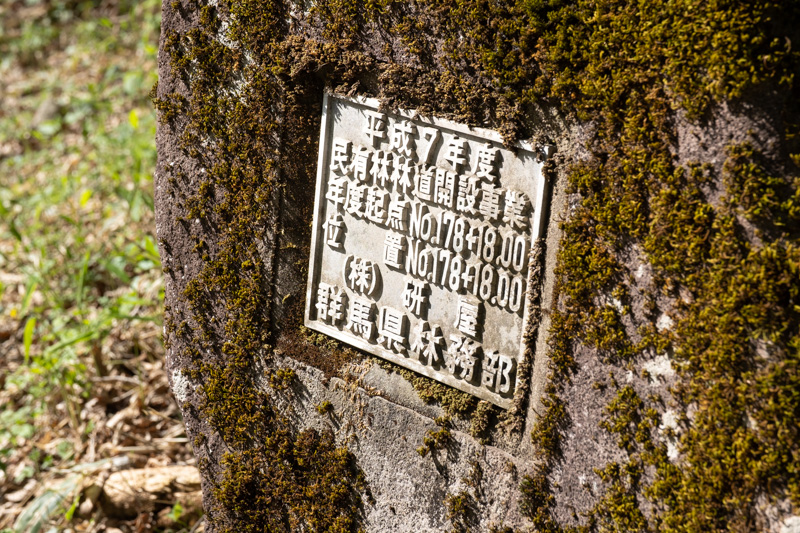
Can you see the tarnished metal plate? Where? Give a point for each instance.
(421, 240)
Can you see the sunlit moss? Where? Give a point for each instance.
(631, 69)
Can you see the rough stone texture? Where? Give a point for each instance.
(383, 421)
(376, 412)
(408, 489)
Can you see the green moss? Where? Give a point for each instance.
(633, 192)
(628, 419)
(272, 477)
(619, 508)
(634, 70)
(480, 422)
(763, 197)
(324, 407)
(436, 439)
(463, 507)
(306, 486)
(282, 378)
(461, 512)
(453, 401)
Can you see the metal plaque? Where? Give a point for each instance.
(421, 241)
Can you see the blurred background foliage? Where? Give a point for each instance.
(80, 276)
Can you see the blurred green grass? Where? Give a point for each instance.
(80, 276)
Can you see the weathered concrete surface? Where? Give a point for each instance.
(408, 489)
(375, 412)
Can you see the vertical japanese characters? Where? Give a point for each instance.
(447, 222)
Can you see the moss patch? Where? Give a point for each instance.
(722, 239)
(270, 477)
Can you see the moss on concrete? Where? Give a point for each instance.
(632, 70)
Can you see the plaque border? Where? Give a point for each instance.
(542, 200)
